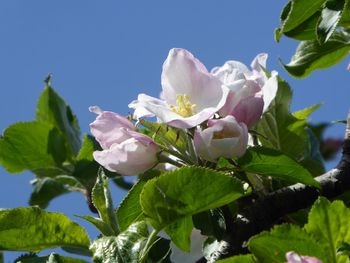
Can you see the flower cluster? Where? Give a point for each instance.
(215, 108)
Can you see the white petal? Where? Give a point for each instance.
(184, 74)
(270, 90)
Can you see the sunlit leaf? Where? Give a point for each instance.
(310, 55)
(129, 210)
(33, 229)
(53, 109)
(30, 146)
(271, 247)
(329, 224)
(269, 162)
(102, 200)
(330, 16)
(180, 233)
(125, 247)
(186, 191)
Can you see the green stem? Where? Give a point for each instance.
(177, 155)
(165, 159)
(190, 146)
(149, 244)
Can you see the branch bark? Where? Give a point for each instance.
(258, 214)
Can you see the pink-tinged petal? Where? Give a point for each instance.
(238, 103)
(249, 110)
(223, 138)
(190, 94)
(293, 257)
(246, 86)
(131, 157)
(108, 128)
(184, 74)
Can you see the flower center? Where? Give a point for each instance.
(219, 135)
(183, 107)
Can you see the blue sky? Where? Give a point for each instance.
(106, 52)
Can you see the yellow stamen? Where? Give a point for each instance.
(183, 107)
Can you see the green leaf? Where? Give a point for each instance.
(180, 233)
(306, 30)
(271, 247)
(269, 162)
(310, 55)
(52, 258)
(30, 146)
(279, 129)
(160, 251)
(239, 259)
(210, 223)
(329, 224)
(104, 228)
(298, 12)
(186, 191)
(313, 160)
(46, 189)
(330, 16)
(305, 113)
(1, 257)
(53, 109)
(89, 146)
(345, 18)
(129, 210)
(85, 167)
(125, 247)
(33, 229)
(101, 198)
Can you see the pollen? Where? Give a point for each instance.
(183, 107)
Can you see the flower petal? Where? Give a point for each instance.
(223, 138)
(183, 74)
(107, 128)
(163, 112)
(249, 110)
(131, 157)
(270, 90)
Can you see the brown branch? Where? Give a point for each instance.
(258, 214)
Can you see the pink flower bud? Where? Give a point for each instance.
(124, 151)
(223, 138)
(106, 127)
(293, 257)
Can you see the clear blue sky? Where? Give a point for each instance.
(106, 52)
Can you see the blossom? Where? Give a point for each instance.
(293, 257)
(124, 150)
(223, 138)
(107, 127)
(190, 94)
(251, 91)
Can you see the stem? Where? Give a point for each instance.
(177, 155)
(165, 159)
(190, 146)
(150, 242)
